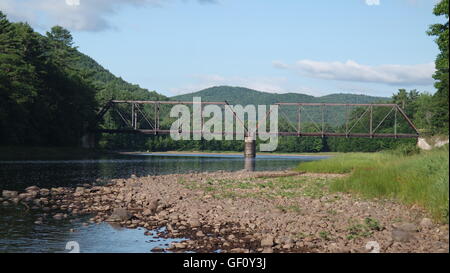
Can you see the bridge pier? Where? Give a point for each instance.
(250, 147)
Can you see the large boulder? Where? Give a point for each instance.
(151, 208)
(401, 235)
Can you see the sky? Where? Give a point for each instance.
(315, 47)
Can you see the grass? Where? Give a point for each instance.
(343, 163)
(421, 179)
(288, 187)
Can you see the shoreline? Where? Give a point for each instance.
(229, 153)
(23, 153)
(244, 212)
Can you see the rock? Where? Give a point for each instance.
(267, 250)
(154, 205)
(426, 223)
(287, 246)
(44, 192)
(118, 215)
(58, 216)
(267, 241)
(194, 223)
(199, 233)
(408, 227)
(79, 191)
(179, 245)
(10, 194)
(147, 212)
(32, 188)
(37, 202)
(157, 249)
(401, 235)
(239, 250)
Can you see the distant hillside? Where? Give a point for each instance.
(244, 96)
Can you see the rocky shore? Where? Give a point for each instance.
(244, 212)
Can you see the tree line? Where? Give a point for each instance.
(50, 94)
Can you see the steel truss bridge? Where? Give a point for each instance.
(302, 119)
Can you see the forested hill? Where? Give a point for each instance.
(49, 91)
(245, 96)
(108, 85)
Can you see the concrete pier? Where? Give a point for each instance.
(250, 147)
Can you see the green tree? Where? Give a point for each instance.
(440, 119)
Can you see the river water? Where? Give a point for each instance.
(18, 233)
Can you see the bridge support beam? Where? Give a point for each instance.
(250, 147)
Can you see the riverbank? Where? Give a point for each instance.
(245, 212)
(227, 153)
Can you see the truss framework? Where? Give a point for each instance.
(138, 118)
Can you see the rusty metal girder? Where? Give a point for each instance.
(137, 112)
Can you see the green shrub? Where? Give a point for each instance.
(405, 149)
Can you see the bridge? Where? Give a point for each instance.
(297, 119)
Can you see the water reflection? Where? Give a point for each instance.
(17, 175)
(249, 164)
(18, 233)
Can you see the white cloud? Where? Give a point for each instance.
(393, 74)
(86, 15)
(73, 2)
(267, 84)
(373, 2)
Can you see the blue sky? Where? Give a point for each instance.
(315, 47)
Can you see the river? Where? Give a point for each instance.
(19, 233)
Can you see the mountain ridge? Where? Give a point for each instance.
(243, 95)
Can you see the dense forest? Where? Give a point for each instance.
(50, 94)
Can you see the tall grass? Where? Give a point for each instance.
(421, 179)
